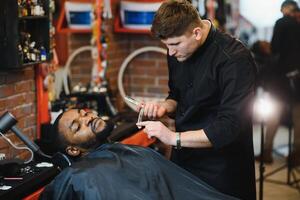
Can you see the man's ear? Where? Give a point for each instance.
(73, 151)
(197, 33)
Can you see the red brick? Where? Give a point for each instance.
(22, 111)
(20, 75)
(138, 89)
(21, 123)
(157, 90)
(142, 94)
(16, 100)
(30, 132)
(6, 90)
(30, 97)
(162, 63)
(85, 71)
(28, 73)
(117, 55)
(23, 86)
(30, 121)
(3, 143)
(162, 81)
(157, 55)
(117, 47)
(142, 81)
(2, 104)
(75, 70)
(163, 71)
(143, 63)
(24, 155)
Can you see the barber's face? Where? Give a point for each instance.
(81, 127)
(182, 47)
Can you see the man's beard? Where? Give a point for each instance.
(100, 136)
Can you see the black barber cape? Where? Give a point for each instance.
(214, 89)
(117, 171)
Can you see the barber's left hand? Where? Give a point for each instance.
(158, 130)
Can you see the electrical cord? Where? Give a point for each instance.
(19, 148)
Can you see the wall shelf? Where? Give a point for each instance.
(33, 17)
(62, 25)
(17, 34)
(118, 28)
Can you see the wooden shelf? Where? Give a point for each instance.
(33, 17)
(34, 63)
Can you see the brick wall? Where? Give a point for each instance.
(17, 95)
(146, 75)
(82, 64)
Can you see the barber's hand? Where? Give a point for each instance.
(158, 130)
(153, 110)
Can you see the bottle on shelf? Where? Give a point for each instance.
(20, 51)
(20, 7)
(43, 53)
(28, 7)
(33, 56)
(24, 8)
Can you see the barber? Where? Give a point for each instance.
(211, 87)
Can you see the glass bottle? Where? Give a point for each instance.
(43, 53)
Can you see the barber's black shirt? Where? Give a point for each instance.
(214, 90)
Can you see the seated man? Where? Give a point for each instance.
(116, 171)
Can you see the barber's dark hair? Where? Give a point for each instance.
(174, 18)
(60, 143)
(289, 3)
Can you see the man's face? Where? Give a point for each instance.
(288, 10)
(182, 47)
(81, 128)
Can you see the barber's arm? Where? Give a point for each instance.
(192, 139)
(158, 109)
(237, 86)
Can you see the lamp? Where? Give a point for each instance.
(264, 107)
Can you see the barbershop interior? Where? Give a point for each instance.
(150, 99)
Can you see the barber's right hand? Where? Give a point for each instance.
(153, 110)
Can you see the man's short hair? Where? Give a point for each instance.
(174, 18)
(289, 3)
(60, 143)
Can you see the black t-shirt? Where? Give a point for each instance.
(214, 90)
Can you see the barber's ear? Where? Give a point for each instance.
(73, 151)
(197, 33)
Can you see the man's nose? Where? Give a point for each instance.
(172, 51)
(86, 119)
